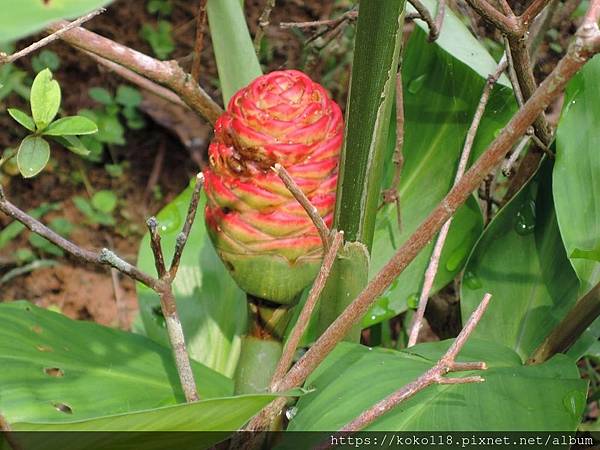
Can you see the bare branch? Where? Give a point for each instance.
(506, 25)
(507, 167)
(425, 15)
(166, 73)
(159, 259)
(7, 59)
(579, 53)
(187, 226)
(304, 318)
(263, 22)
(432, 268)
(349, 16)
(435, 375)
(439, 18)
(310, 209)
(199, 41)
(534, 8)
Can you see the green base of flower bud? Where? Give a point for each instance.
(258, 360)
(271, 277)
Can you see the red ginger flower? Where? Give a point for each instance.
(267, 241)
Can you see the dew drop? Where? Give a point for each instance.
(574, 403)
(456, 259)
(525, 222)
(415, 85)
(290, 413)
(413, 301)
(471, 281)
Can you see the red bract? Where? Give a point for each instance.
(267, 241)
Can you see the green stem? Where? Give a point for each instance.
(370, 104)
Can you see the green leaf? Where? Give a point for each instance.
(521, 261)
(45, 99)
(71, 126)
(442, 84)
(44, 245)
(546, 397)
(73, 144)
(104, 201)
(212, 308)
(593, 255)
(576, 184)
(128, 96)
(22, 118)
(72, 375)
(101, 95)
(46, 59)
(93, 215)
(29, 16)
(32, 156)
(234, 51)
(159, 37)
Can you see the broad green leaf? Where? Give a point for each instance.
(104, 201)
(212, 308)
(547, 397)
(71, 126)
(45, 99)
(442, 84)
(32, 156)
(73, 144)
(26, 17)
(22, 118)
(594, 254)
(576, 182)
(236, 60)
(521, 261)
(57, 369)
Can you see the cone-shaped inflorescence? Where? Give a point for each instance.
(265, 238)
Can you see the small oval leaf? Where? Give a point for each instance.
(32, 156)
(73, 144)
(22, 118)
(71, 126)
(45, 98)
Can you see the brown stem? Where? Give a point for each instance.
(159, 259)
(535, 7)
(66, 26)
(167, 73)
(199, 41)
(263, 22)
(435, 375)
(584, 47)
(425, 15)
(330, 23)
(299, 195)
(566, 333)
(187, 226)
(304, 318)
(505, 24)
(432, 267)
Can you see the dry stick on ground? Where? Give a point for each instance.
(8, 59)
(310, 209)
(391, 195)
(166, 73)
(435, 375)
(105, 257)
(434, 261)
(263, 22)
(199, 40)
(585, 46)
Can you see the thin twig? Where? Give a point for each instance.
(300, 196)
(118, 292)
(199, 41)
(66, 26)
(263, 22)
(507, 167)
(304, 318)
(435, 375)
(391, 195)
(425, 15)
(439, 18)
(159, 259)
(167, 73)
(512, 75)
(432, 267)
(330, 23)
(183, 236)
(585, 46)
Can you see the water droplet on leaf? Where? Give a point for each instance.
(416, 84)
(525, 223)
(413, 301)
